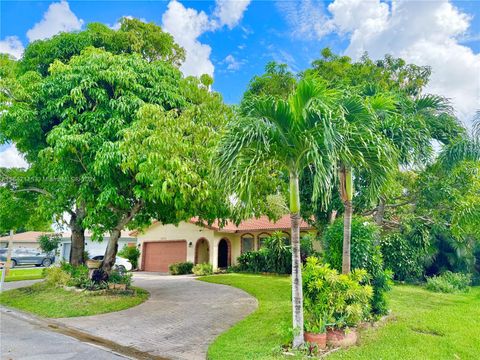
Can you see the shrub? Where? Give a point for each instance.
(365, 254)
(404, 253)
(56, 276)
(278, 254)
(252, 261)
(49, 243)
(117, 278)
(331, 299)
(203, 269)
(181, 268)
(131, 253)
(78, 275)
(449, 282)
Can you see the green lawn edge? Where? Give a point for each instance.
(423, 325)
(51, 302)
(24, 274)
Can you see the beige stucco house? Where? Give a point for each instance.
(162, 245)
(28, 239)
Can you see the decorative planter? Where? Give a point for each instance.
(341, 338)
(117, 286)
(319, 339)
(93, 264)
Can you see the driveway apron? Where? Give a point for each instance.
(179, 320)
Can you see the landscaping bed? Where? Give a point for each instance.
(56, 302)
(445, 324)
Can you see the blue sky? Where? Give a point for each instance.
(233, 40)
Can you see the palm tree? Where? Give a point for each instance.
(465, 148)
(363, 147)
(291, 135)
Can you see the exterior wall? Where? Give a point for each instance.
(192, 233)
(184, 231)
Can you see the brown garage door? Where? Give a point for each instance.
(160, 254)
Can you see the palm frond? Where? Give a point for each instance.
(466, 149)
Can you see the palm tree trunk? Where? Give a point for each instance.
(347, 236)
(297, 291)
(346, 192)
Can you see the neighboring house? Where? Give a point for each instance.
(162, 245)
(28, 239)
(95, 248)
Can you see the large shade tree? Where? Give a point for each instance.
(27, 116)
(291, 134)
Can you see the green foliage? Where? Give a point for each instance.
(78, 275)
(449, 282)
(365, 254)
(331, 299)
(404, 255)
(57, 276)
(49, 243)
(131, 253)
(181, 268)
(275, 256)
(117, 278)
(134, 36)
(203, 269)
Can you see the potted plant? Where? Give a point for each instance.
(316, 331)
(341, 337)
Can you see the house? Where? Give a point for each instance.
(28, 239)
(162, 245)
(94, 248)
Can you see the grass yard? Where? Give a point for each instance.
(51, 302)
(424, 325)
(24, 274)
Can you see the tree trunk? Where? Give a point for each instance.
(77, 247)
(111, 251)
(347, 236)
(380, 213)
(297, 290)
(346, 192)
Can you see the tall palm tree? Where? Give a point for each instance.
(363, 148)
(291, 135)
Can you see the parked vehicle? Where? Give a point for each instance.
(26, 256)
(121, 264)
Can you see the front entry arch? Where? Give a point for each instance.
(202, 251)
(224, 253)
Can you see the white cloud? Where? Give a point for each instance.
(186, 25)
(307, 19)
(421, 32)
(230, 12)
(117, 25)
(13, 46)
(232, 63)
(10, 157)
(57, 18)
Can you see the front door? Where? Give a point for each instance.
(223, 254)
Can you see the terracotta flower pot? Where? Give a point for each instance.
(341, 338)
(319, 339)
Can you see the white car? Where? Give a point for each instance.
(121, 264)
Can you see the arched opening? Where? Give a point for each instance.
(223, 253)
(202, 251)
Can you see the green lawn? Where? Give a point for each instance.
(424, 325)
(51, 302)
(24, 274)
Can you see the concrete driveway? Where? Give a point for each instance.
(179, 320)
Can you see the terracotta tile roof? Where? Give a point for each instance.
(259, 224)
(28, 236)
